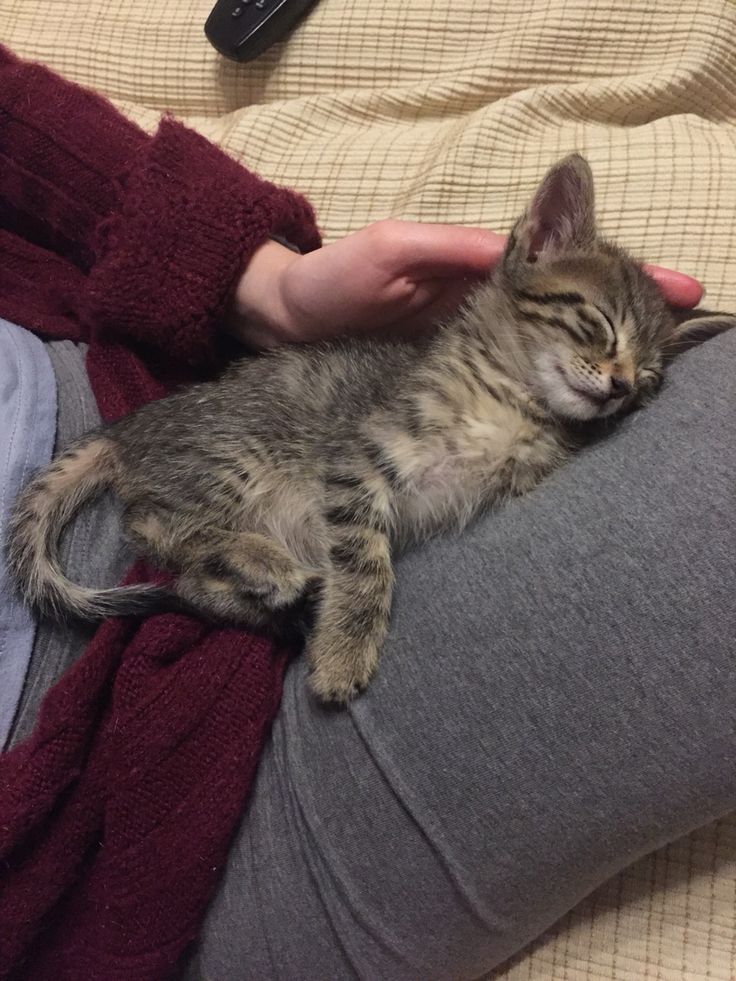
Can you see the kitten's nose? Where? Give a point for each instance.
(619, 387)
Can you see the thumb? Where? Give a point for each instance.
(677, 288)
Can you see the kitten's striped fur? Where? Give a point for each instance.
(300, 472)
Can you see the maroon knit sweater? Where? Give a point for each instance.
(115, 816)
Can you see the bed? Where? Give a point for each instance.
(451, 112)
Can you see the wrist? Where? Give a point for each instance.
(258, 313)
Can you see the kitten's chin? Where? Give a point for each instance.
(565, 401)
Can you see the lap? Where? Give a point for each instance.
(555, 700)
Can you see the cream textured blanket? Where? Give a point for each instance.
(451, 111)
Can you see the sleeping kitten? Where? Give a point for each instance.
(300, 472)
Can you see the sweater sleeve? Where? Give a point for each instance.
(170, 255)
(63, 153)
(159, 227)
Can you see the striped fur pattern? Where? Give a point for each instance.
(297, 475)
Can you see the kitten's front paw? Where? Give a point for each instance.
(337, 676)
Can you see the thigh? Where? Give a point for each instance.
(555, 699)
(92, 549)
(27, 427)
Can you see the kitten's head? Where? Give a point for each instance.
(594, 326)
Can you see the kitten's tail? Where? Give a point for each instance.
(41, 512)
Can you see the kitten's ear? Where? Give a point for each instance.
(692, 327)
(561, 216)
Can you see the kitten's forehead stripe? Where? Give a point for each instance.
(605, 316)
(593, 325)
(567, 298)
(557, 322)
(609, 331)
(561, 324)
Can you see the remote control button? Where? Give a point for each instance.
(260, 4)
(237, 11)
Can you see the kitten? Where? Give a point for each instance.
(299, 472)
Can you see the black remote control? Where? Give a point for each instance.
(243, 29)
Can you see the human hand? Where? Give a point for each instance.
(389, 276)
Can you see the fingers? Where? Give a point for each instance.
(428, 250)
(677, 288)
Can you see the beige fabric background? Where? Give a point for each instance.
(450, 110)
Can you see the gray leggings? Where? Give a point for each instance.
(556, 699)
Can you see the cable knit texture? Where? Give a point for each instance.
(115, 816)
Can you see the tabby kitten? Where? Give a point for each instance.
(299, 472)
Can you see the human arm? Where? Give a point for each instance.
(160, 241)
(119, 234)
(389, 276)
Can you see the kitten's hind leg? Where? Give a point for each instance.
(245, 578)
(257, 565)
(233, 576)
(219, 599)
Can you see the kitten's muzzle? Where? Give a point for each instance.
(617, 388)
(620, 387)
